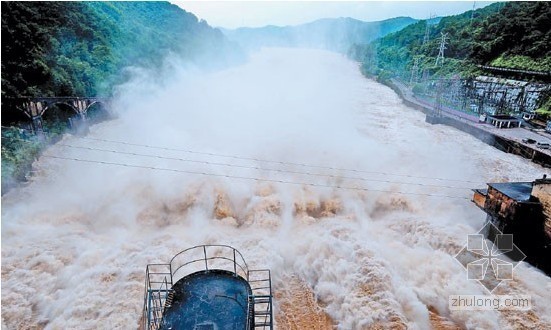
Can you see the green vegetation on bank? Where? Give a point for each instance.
(545, 109)
(513, 35)
(78, 48)
(66, 48)
(19, 150)
(519, 33)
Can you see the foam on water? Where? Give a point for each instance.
(76, 239)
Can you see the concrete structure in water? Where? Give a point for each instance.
(524, 210)
(207, 287)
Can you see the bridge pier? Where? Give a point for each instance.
(34, 108)
(37, 126)
(79, 124)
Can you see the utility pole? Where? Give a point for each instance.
(442, 47)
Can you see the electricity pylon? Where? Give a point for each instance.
(414, 71)
(427, 30)
(442, 47)
(426, 40)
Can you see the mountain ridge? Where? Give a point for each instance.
(336, 34)
(512, 35)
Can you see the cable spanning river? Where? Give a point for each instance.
(355, 203)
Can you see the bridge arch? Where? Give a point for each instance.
(95, 102)
(59, 116)
(97, 111)
(54, 103)
(34, 108)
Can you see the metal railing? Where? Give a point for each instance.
(159, 278)
(261, 300)
(205, 257)
(158, 284)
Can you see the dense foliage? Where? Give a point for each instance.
(514, 35)
(32, 39)
(518, 29)
(19, 150)
(80, 49)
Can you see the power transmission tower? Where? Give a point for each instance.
(414, 71)
(427, 30)
(425, 41)
(472, 13)
(442, 47)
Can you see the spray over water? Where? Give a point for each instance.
(375, 253)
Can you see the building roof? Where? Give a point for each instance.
(504, 118)
(481, 191)
(519, 191)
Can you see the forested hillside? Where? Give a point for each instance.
(518, 36)
(513, 35)
(336, 34)
(78, 48)
(64, 48)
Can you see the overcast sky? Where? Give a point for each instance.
(233, 14)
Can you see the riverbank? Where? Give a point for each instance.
(508, 140)
(94, 223)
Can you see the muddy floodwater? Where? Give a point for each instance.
(309, 169)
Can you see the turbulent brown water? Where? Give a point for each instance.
(76, 239)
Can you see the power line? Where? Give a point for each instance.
(266, 169)
(249, 167)
(249, 178)
(267, 161)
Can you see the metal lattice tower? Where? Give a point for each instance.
(442, 47)
(427, 30)
(414, 70)
(426, 40)
(472, 13)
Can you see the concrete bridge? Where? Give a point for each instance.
(35, 107)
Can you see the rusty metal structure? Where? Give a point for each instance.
(522, 209)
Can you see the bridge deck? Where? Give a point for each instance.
(208, 300)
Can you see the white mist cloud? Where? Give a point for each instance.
(75, 240)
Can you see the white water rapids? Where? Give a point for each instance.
(76, 238)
